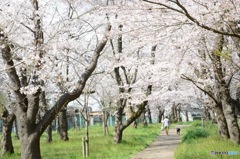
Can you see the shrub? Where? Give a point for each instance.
(194, 134)
(196, 123)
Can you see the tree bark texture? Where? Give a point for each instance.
(231, 118)
(144, 121)
(118, 130)
(49, 133)
(30, 146)
(221, 121)
(223, 92)
(135, 123)
(63, 124)
(7, 145)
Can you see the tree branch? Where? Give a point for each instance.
(135, 115)
(67, 97)
(210, 94)
(194, 20)
(11, 72)
(164, 5)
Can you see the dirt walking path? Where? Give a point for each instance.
(163, 147)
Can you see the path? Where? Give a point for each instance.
(162, 148)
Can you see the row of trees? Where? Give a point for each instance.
(218, 49)
(146, 53)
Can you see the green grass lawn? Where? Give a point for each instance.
(198, 143)
(201, 147)
(101, 147)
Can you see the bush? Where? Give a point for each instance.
(194, 134)
(197, 123)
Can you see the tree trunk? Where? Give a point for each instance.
(76, 125)
(30, 147)
(16, 130)
(63, 125)
(149, 114)
(118, 127)
(186, 113)
(135, 124)
(29, 137)
(221, 121)
(57, 124)
(223, 91)
(28, 105)
(118, 131)
(238, 102)
(229, 113)
(174, 113)
(144, 121)
(160, 114)
(212, 116)
(207, 114)
(49, 133)
(7, 146)
(178, 115)
(105, 125)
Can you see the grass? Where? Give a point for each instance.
(101, 147)
(200, 146)
(194, 134)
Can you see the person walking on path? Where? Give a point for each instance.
(166, 124)
(163, 147)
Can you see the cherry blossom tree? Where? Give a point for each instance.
(134, 49)
(35, 32)
(220, 18)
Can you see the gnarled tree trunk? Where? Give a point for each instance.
(221, 121)
(119, 128)
(223, 91)
(8, 119)
(231, 119)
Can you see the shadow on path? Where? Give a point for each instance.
(162, 148)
